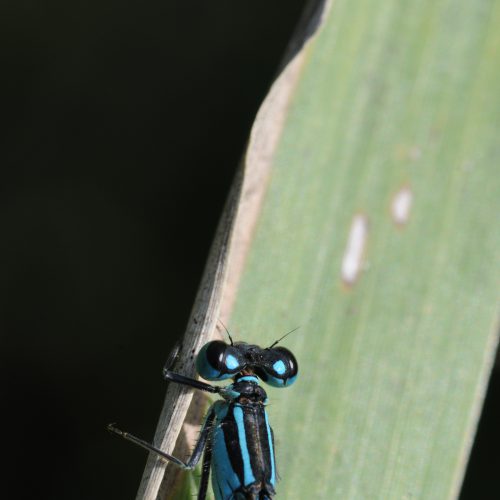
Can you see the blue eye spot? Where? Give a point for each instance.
(279, 367)
(231, 362)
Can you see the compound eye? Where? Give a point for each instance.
(281, 369)
(218, 361)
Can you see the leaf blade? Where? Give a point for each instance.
(358, 131)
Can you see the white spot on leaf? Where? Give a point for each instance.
(352, 262)
(401, 206)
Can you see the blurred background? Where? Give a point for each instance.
(122, 126)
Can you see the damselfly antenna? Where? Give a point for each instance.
(279, 340)
(227, 331)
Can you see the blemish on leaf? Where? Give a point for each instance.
(352, 263)
(414, 153)
(401, 206)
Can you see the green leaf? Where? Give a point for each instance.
(392, 127)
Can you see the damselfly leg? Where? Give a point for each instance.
(204, 438)
(195, 456)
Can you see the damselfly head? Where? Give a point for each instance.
(276, 366)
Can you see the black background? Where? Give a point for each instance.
(122, 125)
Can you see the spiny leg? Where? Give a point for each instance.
(205, 470)
(195, 456)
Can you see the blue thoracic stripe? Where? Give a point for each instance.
(271, 451)
(249, 478)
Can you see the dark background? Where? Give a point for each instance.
(122, 125)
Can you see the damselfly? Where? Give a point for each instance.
(236, 435)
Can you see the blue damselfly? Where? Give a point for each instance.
(236, 436)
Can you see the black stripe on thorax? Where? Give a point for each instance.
(258, 443)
